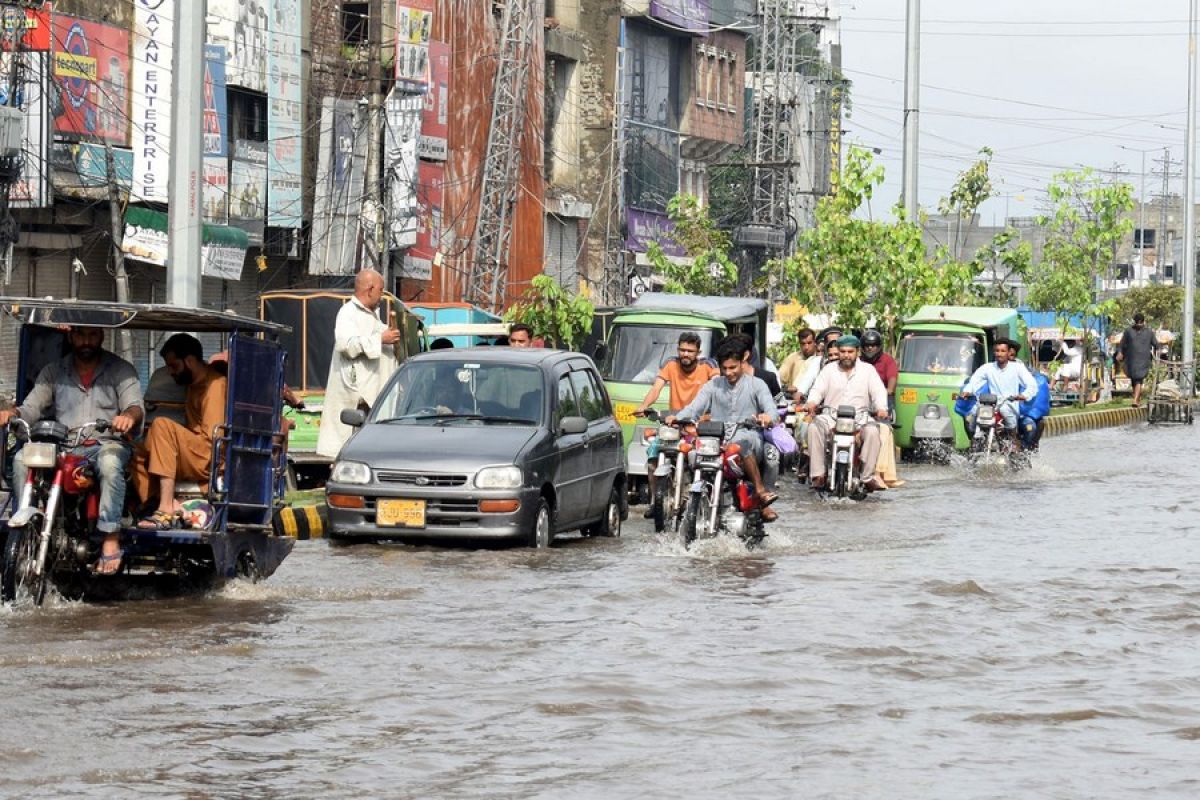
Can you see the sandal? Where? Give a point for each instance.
(101, 565)
(157, 521)
(765, 500)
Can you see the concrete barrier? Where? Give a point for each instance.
(302, 522)
(1058, 424)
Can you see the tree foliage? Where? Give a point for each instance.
(1162, 305)
(711, 271)
(553, 313)
(1005, 260)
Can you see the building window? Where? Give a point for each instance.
(247, 115)
(356, 23)
(1143, 237)
(652, 78)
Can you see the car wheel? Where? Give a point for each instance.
(542, 533)
(610, 524)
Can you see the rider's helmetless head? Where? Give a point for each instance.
(847, 351)
(368, 287)
(86, 342)
(1001, 352)
(808, 343)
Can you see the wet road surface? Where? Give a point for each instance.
(1032, 636)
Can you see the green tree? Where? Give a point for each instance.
(1006, 258)
(1087, 221)
(711, 271)
(974, 185)
(553, 313)
(1162, 305)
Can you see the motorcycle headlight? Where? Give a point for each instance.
(845, 425)
(668, 434)
(708, 446)
(499, 478)
(353, 472)
(39, 454)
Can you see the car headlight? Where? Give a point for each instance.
(499, 478)
(845, 425)
(708, 446)
(350, 472)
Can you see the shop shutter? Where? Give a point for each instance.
(562, 251)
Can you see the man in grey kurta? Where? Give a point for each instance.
(1136, 351)
(734, 396)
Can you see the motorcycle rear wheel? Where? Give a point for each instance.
(841, 480)
(658, 504)
(18, 584)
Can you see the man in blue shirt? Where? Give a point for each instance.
(1008, 378)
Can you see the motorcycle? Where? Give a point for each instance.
(667, 458)
(53, 529)
(843, 467)
(991, 443)
(721, 499)
(793, 419)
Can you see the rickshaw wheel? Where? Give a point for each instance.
(247, 567)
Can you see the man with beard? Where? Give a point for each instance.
(175, 452)
(90, 384)
(847, 382)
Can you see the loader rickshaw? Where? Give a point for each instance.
(47, 527)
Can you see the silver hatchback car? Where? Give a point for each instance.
(482, 443)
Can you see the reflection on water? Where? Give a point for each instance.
(1027, 635)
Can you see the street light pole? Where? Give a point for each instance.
(1189, 200)
(1142, 208)
(912, 94)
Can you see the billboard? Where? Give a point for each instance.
(404, 113)
(435, 117)
(91, 73)
(241, 25)
(418, 261)
(338, 193)
(285, 104)
(31, 26)
(153, 29)
(214, 205)
(222, 250)
(414, 24)
(248, 188)
(32, 188)
(644, 227)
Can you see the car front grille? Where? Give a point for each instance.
(420, 479)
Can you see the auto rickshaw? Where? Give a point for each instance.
(244, 492)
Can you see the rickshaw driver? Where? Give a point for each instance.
(88, 385)
(173, 451)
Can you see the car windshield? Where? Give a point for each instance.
(461, 391)
(637, 352)
(940, 353)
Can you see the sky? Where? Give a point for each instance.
(1048, 85)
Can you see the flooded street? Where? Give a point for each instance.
(1032, 636)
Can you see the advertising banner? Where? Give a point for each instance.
(338, 194)
(222, 250)
(418, 262)
(32, 188)
(404, 113)
(91, 70)
(215, 202)
(241, 25)
(435, 118)
(285, 104)
(645, 227)
(248, 188)
(414, 24)
(153, 29)
(30, 26)
(689, 15)
(85, 166)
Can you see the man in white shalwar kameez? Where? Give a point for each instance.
(363, 360)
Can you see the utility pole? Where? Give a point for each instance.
(184, 223)
(1141, 239)
(912, 100)
(1162, 243)
(125, 343)
(1189, 211)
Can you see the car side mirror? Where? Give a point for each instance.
(353, 417)
(572, 426)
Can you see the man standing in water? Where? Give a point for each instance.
(363, 360)
(1135, 352)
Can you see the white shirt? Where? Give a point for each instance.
(359, 368)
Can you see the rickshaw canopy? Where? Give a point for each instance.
(132, 316)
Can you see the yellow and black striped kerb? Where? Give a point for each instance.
(302, 522)
(1058, 425)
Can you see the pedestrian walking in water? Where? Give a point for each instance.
(1135, 352)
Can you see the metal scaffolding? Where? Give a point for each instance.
(488, 270)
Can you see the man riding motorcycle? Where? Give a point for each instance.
(734, 396)
(87, 385)
(1009, 379)
(847, 382)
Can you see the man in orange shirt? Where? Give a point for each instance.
(685, 374)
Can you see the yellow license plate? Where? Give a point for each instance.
(400, 513)
(908, 396)
(624, 413)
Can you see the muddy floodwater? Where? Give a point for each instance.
(1032, 636)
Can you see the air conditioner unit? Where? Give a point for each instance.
(12, 130)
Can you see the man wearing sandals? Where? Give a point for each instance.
(175, 452)
(88, 385)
